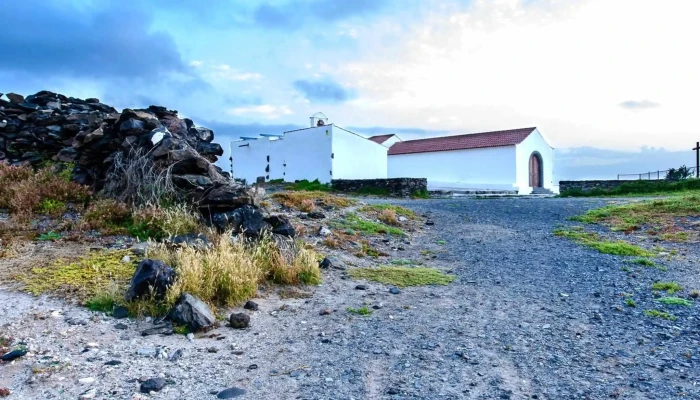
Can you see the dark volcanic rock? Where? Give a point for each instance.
(153, 385)
(163, 328)
(251, 305)
(193, 313)
(231, 393)
(150, 275)
(247, 219)
(13, 355)
(239, 321)
(281, 225)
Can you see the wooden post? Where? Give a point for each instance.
(697, 159)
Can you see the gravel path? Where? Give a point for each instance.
(530, 315)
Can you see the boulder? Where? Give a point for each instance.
(15, 98)
(193, 313)
(68, 154)
(226, 198)
(131, 125)
(247, 219)
(152, 385)
(280, 225)
(151, 277)
(189, 182)
(203, 134)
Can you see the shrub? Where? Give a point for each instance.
(24, 191)
(388, 216)
(107, 215)
(420, 194)
(364, 311)
(52, 207)
(313, 186)
(307, 205)
(158, 223)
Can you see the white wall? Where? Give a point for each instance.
(306, 153)
(355, 157)
(488, 168)
(389, 142)
(534, 142)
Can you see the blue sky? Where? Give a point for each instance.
(588, 73)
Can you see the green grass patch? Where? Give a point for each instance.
(668, 287)
(630, 303)
(675, 301)
(306, 186)
(594, 241)
(675, 236)
(181, 330)
(441, 242)
(356, 223)
(642, 261)
(659, 314)
(635, 188)
(402, 261)
(83, 278)
(276, 181)
(52, 207)
(403, 276)
(49, 237)
(359, 311)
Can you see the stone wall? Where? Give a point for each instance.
(401, 187)
(587, 186)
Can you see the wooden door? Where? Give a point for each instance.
(535, 178)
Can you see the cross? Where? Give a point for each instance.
(697, 159)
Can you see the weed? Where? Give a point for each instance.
(675, 236)
(642, 261)
(669, 287)
(441, 242)
(367, 250)
(659, 314)
(403, 276)
(625, 269)
(295, 199)
(52, 207)
(354, 222)
(675, 301)
(359, 311)
(388, 217)
(49, 237)
(427, 252)
(630, 303)
(84, 278)
(403, 211)
(592, 240)
(107, 216)
(181, 330)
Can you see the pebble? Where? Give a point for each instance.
(86, 381)
(121, 326)
(90, 394)
(120, 312)
(361, 287)
(325, 311)
(147, 352)
(395, 290)
(251, 305)
(113, 362)
(190, 337)
(239, 321)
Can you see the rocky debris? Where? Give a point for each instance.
(162, 328)
(176, 355)
(239, 320)
(13, 355)
(323, 231)
(92, 135)
(88, 395)
(230, 393)
(249, 220)
(316, 215)
(152, 385)
(280, 225)
(195, 240)
(152, 277)
(332, 262)
(193, 313)
(251, 305)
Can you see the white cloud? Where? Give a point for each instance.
(226, 72)
(265, 111)
(563, 66)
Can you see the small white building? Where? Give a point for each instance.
(516, 160)
(322, 151)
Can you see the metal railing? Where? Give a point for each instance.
(650, 176)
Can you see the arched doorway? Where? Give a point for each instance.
(535, 170)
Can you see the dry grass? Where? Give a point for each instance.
(136, 180)
(296, 199)
(307, 205)
(388, 216)
(229, 272)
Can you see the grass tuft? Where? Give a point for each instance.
(403, 276)
(669, 287)
(592, 240)
(318, 198)
(675, 301)
(630, 303)
(359, 311)
(659, 314)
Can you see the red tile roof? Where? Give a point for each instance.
(461, 142)
(380, 138)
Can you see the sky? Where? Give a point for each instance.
(607, 82)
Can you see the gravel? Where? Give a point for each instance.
(530, 315)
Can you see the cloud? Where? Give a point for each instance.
(266, 111)
(408, 132)
(323, 90)
(295, 14)
(60, 39)
(638, 105)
